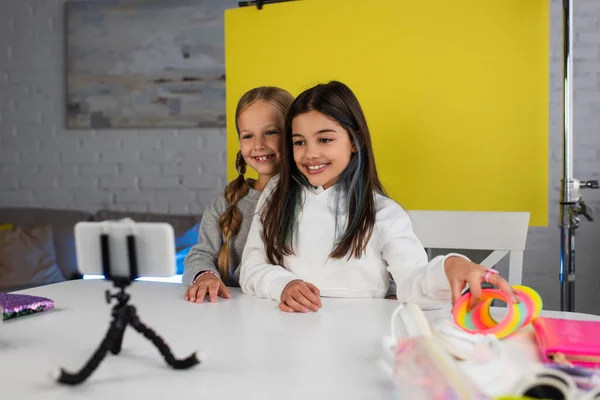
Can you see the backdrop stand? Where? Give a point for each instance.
(259, 3)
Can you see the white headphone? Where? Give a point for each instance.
(460, 345)
(414, 323)
(453, 339)
(413, 319)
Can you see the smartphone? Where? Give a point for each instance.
(153, 242)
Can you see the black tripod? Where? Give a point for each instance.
(123, 315)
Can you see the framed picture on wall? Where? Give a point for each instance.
(146, 64)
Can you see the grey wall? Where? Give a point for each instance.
(180, 171)
(42, 163)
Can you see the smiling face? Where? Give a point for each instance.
(322, 148)
(260, 126)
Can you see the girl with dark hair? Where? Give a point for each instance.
(211, 265)
(326, 227)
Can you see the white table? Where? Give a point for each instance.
(254, 351)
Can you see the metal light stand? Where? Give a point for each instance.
(571, 203)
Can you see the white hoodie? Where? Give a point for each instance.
(392, 249)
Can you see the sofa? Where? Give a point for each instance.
(37, 245)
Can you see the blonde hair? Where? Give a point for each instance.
(231, 220)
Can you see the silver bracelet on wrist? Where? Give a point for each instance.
(202, 273)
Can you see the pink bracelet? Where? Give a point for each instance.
(202, 273)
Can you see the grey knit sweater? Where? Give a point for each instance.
(203, 256)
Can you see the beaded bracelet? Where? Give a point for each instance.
(202, 273)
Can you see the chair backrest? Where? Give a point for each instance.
(503, 232)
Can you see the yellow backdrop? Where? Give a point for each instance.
(455, 92)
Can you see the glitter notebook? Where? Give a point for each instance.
(17, 305)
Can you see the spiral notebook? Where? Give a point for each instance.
(565, 341)
(16, 305)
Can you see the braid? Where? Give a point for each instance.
(231, 220)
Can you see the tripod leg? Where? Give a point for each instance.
(159, 343)
(119, 331)
(114, 333)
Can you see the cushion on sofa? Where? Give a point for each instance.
(63, 223)
(27, 258)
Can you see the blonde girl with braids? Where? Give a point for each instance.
(212, 264)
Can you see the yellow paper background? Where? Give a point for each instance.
(455, 92)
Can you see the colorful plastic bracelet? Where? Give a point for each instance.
(480, 320)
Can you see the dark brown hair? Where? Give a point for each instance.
(358, 183)
(231, 220)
